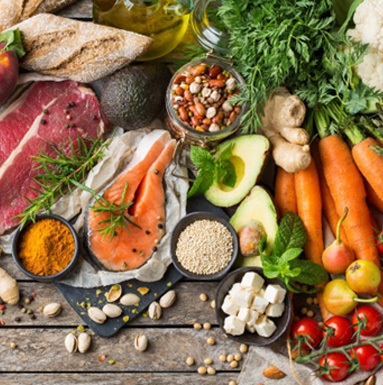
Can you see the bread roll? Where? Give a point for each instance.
(78, 50)
(15, 11)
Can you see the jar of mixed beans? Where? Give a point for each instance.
(198, 101)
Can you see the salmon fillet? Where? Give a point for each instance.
(131, 248)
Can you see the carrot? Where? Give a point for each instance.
(284, 195)
(372, 197)
(328, 205)
(347, 189)
(370, 164)
(309, 206)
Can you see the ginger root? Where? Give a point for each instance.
(282, 119)
(9, 289)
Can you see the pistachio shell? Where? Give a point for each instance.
(130, 299)
(71, 343)
(83, 342)
(111, 310)
(114, 293)
(52, 309)
(96, 315)
(141, 342)
(155, 310)
(168, 299)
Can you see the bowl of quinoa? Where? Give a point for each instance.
(204, 246)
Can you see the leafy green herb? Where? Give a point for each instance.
(13, 42)
(284, 262)
(211, 169)
(274, 43)
(117, 217)
(58, 173)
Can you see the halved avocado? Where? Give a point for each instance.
(257, 208)
(248, 158)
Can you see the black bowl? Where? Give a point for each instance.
(247, 337)
(45, 278)
(186, 221)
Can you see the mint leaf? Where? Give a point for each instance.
(212, 169)
(311, 273)
(291, 234)
(13, 42)
(200, 156)
(284, 262)
(226, 173)
(202, 182)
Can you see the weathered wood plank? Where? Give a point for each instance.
(42, 350)
(187, 310)
(117, 379)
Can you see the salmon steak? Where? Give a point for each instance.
(141, 185)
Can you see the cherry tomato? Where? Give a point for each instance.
(334, 366)
(370, 316)
(340, 332)
(379, 241)
(309, 328)
(367, 355)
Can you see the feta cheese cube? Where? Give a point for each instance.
(229, 306)
(253, 280)
(250, 328)
(259, 304)
(264, 326)
(235, 288)
(244, 297)
(275, 309)
(244, 314)
(234, 326)
(250, 324)
(275, 293)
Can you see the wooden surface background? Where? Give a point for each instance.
(40, 356)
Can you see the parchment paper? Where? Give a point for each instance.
(117, 157)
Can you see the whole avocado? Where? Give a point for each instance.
(134, 96)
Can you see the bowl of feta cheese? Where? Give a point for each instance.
(252, 308)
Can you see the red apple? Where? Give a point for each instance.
(9, 73)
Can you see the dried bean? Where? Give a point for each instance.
(200, 97)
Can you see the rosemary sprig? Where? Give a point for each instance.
(58, 173)
(117, 212)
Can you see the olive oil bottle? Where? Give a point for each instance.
(165, 21)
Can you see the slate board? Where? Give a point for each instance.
(80, 298)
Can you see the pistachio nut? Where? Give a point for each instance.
(52, 310)
(155, 310)
(114, 293)
(130, 299)
(71, 343)
(112, 310)
(96, 315)
(168, 299)
(141, 342)
(83, 342)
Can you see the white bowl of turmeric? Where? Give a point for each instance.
(45, 249)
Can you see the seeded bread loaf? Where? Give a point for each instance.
(77, 50)
(15, 11)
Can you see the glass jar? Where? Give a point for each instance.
(205, 134)
(207, 28)
(165, 21)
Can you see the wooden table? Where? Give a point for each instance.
(40, 356)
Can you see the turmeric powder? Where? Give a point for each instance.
(46, 247)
